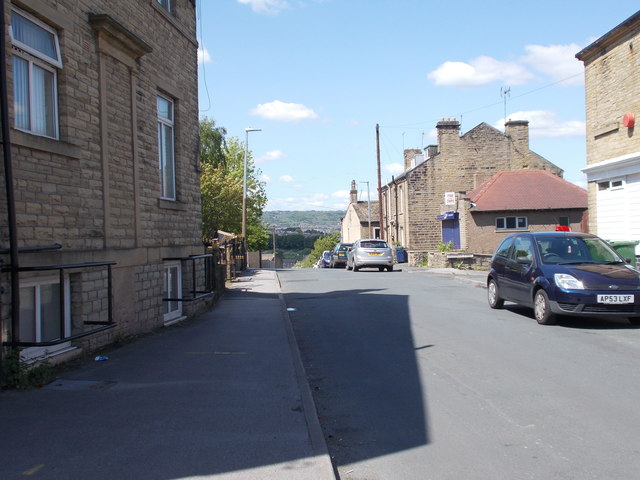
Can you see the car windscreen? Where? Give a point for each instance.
(564, 250)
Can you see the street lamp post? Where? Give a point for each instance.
(244, 182)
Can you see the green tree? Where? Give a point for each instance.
(326, 242)
(212, 143)
(221, 187)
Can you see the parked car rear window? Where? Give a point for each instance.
(374, 244)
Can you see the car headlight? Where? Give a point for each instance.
(568, 282)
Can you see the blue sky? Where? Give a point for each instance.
(318, 75)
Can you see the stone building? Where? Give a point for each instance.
(612, 90)
(521, 200)
(422, 206)
(361, 220)
(103, 129)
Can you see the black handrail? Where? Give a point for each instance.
(210, 279)
(53, 246)
(103, 325)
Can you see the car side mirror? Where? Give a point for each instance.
(524, 260)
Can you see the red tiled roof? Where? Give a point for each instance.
(527, 190)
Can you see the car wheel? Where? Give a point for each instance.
(493, 295)
(390, 268)
(355, 267)
(541, 308)
(347, 266)
(381, 269)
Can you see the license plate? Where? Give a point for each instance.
(375, 253)
(615, 299)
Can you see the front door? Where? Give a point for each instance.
(451, 232)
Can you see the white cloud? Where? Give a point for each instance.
(557, 62)
(269, 7)
(341, 194)
(479, 71)
(284, 112)
(269, 156)
(393, 168)
(545, 123)
(286, 178)
(204, 56)
(265, 178)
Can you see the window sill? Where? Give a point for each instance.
(173, 321)
(171, 205)
(44, 144)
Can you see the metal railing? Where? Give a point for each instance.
(209, 284)
(103, 325)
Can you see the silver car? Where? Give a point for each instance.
(370, 252)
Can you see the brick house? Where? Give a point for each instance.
(612, 91)
(422, 206)
(521, 200)
(355, 223)
(103, 128)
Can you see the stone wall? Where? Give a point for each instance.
(95, 190)
(414, 199)
(612, 90)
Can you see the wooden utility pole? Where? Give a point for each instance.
(379, 180)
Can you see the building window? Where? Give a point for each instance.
(166, 4)
(40, 315)
(564, 222)
(172, 291)
(36, 56)
(611, 185)
(166, 149)
(511, 223)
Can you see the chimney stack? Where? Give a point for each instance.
(432, 150)
(448, 133)
(409, 155)
(353, 194)
(518, 132)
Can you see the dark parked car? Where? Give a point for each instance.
(558, 273)
(370, 252)
(339, 254)
(326, 259)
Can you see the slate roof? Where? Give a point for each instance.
(362, 210)
(527, 190)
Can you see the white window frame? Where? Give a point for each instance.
(166, 144)
(34, 353)
(56, 60)
(166, 4)
(172, 309)
(518, 220)
(37, 59)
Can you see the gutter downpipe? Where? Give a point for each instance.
(8, 173)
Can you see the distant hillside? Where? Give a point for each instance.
(326, 221)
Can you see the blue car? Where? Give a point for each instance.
(326, 259)
(563, 273)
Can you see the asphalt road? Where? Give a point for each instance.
(414, 377)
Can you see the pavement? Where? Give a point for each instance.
(223, 396)
(477, 278)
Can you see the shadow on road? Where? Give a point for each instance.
(360, 360)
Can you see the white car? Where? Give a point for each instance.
(370, 253)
